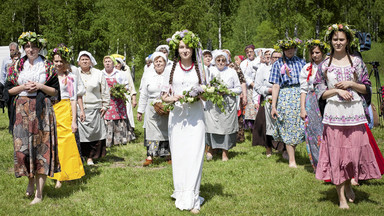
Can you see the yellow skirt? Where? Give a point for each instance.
(69, 157)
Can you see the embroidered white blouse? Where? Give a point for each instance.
(33, 73)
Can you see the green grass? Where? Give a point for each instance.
(248, 184)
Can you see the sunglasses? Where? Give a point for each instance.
(221, 60)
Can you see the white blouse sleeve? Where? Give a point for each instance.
(105, 96)
(79, 82)
(75, 88)
(236, 83)
(259, 81)
(143, 100)
(303, 80)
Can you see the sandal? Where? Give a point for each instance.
(147, 162)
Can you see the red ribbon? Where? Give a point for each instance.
(310, 72)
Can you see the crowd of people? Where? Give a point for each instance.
(59, 113)
(197, 104)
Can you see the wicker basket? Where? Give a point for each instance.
(159, 108)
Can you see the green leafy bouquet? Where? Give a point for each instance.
(214, 92)
(119, 91)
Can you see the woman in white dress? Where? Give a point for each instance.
(248, 67)
(156, 130)
(221, 128)
(186, 128)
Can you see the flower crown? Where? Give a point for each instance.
(32, 37)
(188, 37)
(63, 51)
(354, 43)
(287, 43)
(324, 47)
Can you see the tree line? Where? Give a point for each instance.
(135, 27)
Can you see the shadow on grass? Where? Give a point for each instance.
(70, 187)
(331, 195)
(111, 158)
(371, 183)
(217, 154)
(208, 191)
(300, 160)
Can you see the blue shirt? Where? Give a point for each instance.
(295, 64)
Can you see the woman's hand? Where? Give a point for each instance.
(257, 106)
(139, 117)
(134, 103)
(82, 116)
(274, 113)
(30, 87)
(103, 111)
(346, 95)
(172, 99)
(344, 85)
(74, 126)
(303, 114)
(243, 98)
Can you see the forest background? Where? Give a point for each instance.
(134, 28)
(249, 184)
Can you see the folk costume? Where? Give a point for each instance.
(186, 130)
(222, 127)
(345, 152)
(116, 118)
(156, 126)
(289, 126)
(313, 124)
(92, 131)
(32, 120)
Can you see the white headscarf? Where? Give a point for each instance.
(162, 47)
(157, 54)
(89, 55)
(269, 49)
(257, 51)
(119, 60)
(217, 53)
(206, 51)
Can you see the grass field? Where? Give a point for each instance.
(248, 184)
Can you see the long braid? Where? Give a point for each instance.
(175, 61)
(354, 72)
(198, 72)
(329, 64)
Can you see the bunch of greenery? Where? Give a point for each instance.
(119, 91)
(214, 92)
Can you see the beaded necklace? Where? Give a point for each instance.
(181, 66)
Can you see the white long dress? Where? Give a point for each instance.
(186, 131)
